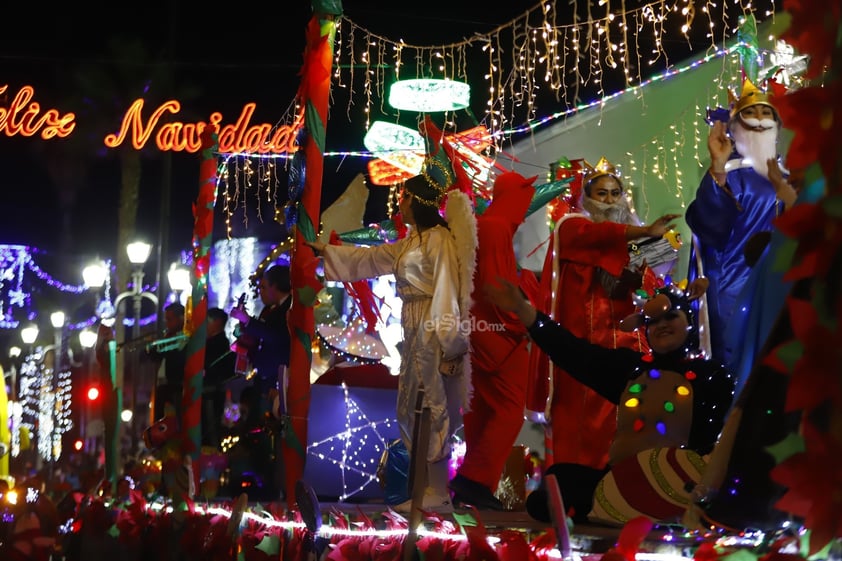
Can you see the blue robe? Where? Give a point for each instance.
(723, 222)
(762, 298)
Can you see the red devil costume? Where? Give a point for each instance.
(499, 351)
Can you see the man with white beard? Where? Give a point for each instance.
(587, 283)
(742, 193)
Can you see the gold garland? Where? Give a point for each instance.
(432, 182)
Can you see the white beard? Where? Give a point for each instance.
(756, 146)
(619, 212)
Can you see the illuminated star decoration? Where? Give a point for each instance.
(355, 450)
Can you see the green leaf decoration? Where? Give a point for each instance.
(789, 446)
(330, 7)
(749, 48)
(305, 224)
(270, 545)
(481, 205)
(305, 341)
(307, 296)
(819, 555)
(823, 306)
(740, 555)
(790, 353)
(785, 255)
(315, 126)
(292, 439)
(547, 192)
(564, 162)
(464, 519)
(832, 205)
(370, 235)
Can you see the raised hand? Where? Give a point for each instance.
(661, 226)
(239, 313)
(783, 189)
(504, 294)
(317, 246)
(697, 288)
(719, 146)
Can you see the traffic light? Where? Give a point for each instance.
(78, 444)
(93, 393)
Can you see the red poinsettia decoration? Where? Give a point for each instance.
(815, 375)
(813, 30)
(513, 547)
(132, 520)
(815, 116)
(819, 238)
(631, 536)
(813, 478)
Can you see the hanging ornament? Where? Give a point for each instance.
(297, 176)
(291, 214)
(427, 95)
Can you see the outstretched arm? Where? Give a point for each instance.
(605, 371)
(509, 298)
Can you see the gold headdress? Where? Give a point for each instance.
(430, 187)
(602, 167)
(751, 95)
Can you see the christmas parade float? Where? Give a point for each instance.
(775, 501)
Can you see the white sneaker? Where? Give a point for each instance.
(432, 503)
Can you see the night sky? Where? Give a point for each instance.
(211, 58)
(221, 60)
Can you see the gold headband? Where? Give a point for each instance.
(436, 185)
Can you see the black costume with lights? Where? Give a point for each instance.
(673, 400)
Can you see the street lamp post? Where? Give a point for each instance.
(57, 321)
(179, 279)
(138, 253)
(28, 335)
(87, 339)
(14, 354)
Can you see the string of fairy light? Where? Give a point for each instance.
(567, 59)
(18, 263)
(236, 178)
(667, 548)
(532, 52)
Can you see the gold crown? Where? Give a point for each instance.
(439, 186)
(751, 95)
(602, 167)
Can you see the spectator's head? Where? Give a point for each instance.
(174, 318)
(274, 284)
(217, 318)
(754, 126)
(602, 194)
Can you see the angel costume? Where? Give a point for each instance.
(431, 282)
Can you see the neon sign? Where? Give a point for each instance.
(24, 117)
(178, 136)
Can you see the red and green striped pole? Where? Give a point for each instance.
(191, 416)
(314, 93)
